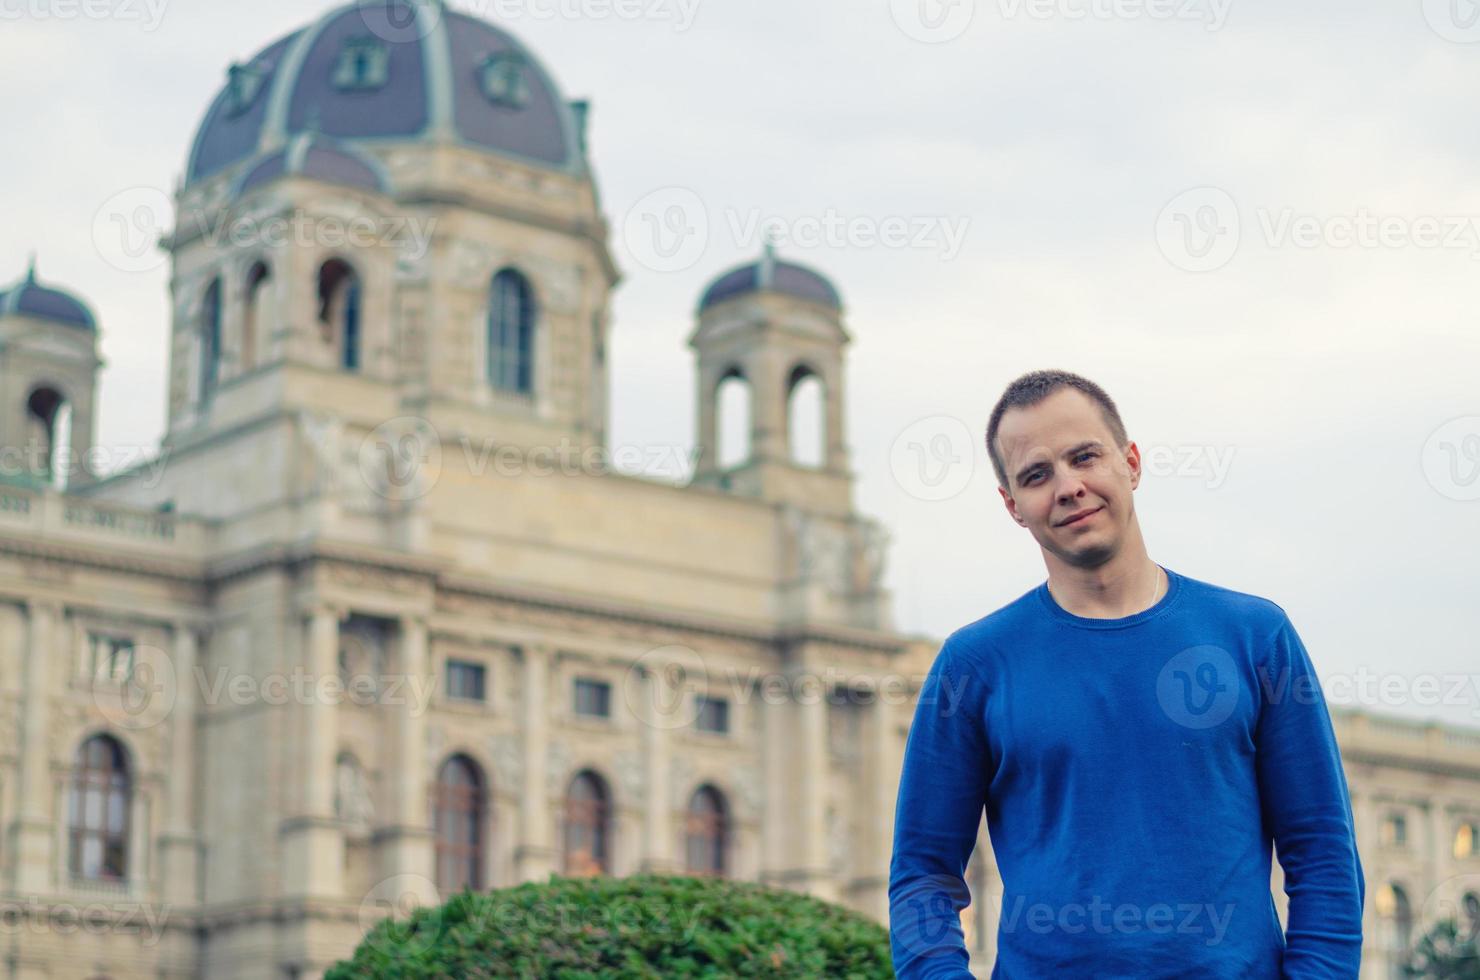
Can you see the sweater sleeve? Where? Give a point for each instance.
(942, 792)
(1307, 808)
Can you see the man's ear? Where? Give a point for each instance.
(1010, 504)
(1133, 464)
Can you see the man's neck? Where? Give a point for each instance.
(1105, 593)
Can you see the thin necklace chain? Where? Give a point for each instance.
(1154, 589)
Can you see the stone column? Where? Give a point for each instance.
(881, 771)
(179, 844)
(835, 411)
(1364, 818)
(404, 840)
(313, 843)
(31, 834)
(776, 827)
(659, 713)
(534, 858)
(1441, 848)
(707, 431)
(814, 874)
(768, 432)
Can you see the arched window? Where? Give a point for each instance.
(255, 312)
(707, 830)
(339, 311)
(97, 811)
(806, 417)
(1469, 924)
(210, 339)
(1396, 911)
(732, 420)
(511, 315)
(49, 418)
(458, 810)
(587, 826)
(1467, 840)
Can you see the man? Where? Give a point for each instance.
(1138, 740)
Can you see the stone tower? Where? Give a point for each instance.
(48, 378)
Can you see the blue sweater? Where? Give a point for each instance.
(1134, 774)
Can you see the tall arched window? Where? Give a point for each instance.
(707, 831)
(210, 339)
(97, 811)
(806, 417)
(458, 809)
(511, 315)
(732, 420)
(49, 417)
(1396, 911)
(254, 318)
(339, 311)
(587, 826)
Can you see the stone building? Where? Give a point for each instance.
(387, 614)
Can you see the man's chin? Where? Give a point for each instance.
(1090, 554)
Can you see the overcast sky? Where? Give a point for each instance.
(1256, 224)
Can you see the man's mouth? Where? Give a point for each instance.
(1079, 517)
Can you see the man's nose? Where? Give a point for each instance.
(1069, 489)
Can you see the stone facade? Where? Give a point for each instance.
(387, 542)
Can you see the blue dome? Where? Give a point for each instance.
(318, 157)
(29, 298)
(772, 275)
(378, 70)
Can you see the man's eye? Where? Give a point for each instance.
(1084, 454)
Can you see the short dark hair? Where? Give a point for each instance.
(1034, 387)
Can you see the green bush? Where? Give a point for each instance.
(643, 926)
(1445, 953)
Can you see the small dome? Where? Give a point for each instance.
(772, 275)
(392, 70)
(317, 156)
(30, 298)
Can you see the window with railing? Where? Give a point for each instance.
(110, 658)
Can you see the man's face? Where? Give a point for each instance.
(1062, 461)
